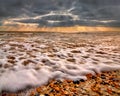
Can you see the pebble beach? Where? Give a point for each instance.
(60, 64)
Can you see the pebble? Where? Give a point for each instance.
(81, 80)
(71, 60)
(76, 82)
(99, 84)
(103, 76)
(41, 95)
(0, 65)
(37, 94)
(46, 95)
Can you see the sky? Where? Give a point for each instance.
(60, 12)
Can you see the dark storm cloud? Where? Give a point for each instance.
(88, 11)
(10, 7)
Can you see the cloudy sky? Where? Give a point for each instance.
(60, 12)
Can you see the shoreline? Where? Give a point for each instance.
(79, 49)
(106, 83)
(73, 29)
(109, 33)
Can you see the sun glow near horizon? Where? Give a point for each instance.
(76, 28)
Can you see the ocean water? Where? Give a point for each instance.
(32, 59)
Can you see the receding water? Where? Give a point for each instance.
(32, 59)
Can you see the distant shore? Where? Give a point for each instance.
(73, 29)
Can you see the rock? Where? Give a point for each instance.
(82, 80)
(71, 60)
(76, 51)
(100, 52)
(103, 76)
(11, 61)
(7, 65)
(93, 77)
(70, 55)
(0, 65)
(46, 95)
(37, 94)
(25, 63)
(104, 83)
(85, 57)
(11, 57)
(57, 88)
(115, 79)
(41, 95)
(76, 82)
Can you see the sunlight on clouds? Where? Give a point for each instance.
(34, 28)
(10, 22)
(33, 23)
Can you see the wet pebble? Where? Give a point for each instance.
(71, 60)
(93, 77)
(75, 51)
(37, 94)
(46, 95)
(103, 82)
(0, 65)
(7, 65)
(76, 82)
(82, 80)
(115, 79)
(11, 57)
(103, 76)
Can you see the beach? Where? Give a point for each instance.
(60, 64)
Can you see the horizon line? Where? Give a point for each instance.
(77, 28)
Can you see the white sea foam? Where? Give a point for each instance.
(30, 66)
